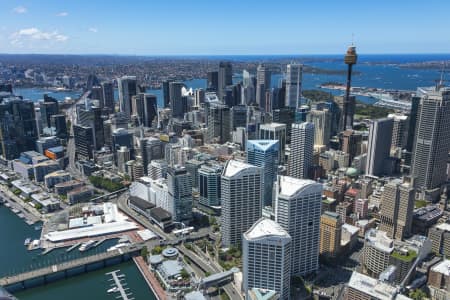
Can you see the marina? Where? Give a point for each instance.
(23, 260)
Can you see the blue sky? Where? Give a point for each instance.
(154, 27)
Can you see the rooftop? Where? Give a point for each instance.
(272, 125)
(262, 145)
(443, 226)
(405, 255)
(380, 240)
(372, 287)
(291, 187)
(265, 228)
(442, 267)
(234, 167)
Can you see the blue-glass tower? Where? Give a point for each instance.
(264, 154)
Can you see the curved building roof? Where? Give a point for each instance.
(290, 187)
(235, 168)
(264, 228)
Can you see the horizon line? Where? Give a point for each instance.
(219, 55)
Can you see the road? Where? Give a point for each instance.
(212, 267)
(199, 257)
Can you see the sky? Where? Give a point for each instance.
(216, 27)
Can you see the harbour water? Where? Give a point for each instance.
(379, 71)
(14, 258)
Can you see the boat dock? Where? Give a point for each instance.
(120, 285)
(73, 247)
(99, 242)
(21, 211)
(48, 250)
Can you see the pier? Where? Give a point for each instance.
(67, 269)
(120, 286)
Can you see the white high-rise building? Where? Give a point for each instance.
(267, 258)
(302, 147)
(432, 140)
(297, 209)
(241, 192)
(380, 136)
(293, 85)
(322, 126)
(262, 84)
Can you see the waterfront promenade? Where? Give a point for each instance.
(150, 278)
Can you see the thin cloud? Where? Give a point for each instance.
(62, 14)
(34, 34)
(20, 9)
(93, 29)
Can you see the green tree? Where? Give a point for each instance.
(144, 252)
(417, 294)
(157, 250)
(184, 274)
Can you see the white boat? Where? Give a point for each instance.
(27, 242)
(87, 245)
(115, 247)
(113, 290)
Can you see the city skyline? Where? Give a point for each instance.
(256, 28)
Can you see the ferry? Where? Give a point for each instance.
(27, 241)
(86, 246)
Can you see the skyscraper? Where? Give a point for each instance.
(239, 116)
(18, 131)
(293, 85)
(380, 137)
(264, 154)
(399, 130)
(219, 123)
(209, 185)
(297, 210)
(432, 141)
(166, 93)
(145, 108)
(127, 89)
(285, 115)
(225, 78)
(302, 147)
(275, 131)
(92, 116)
(322, 126)
(177, 103)
(84, 141)
(108, 96)
(349, 102)
(179, 183)
(248, 88)
(397, 205)
(241, 186)
(330, 234)
(59, 123)
(48, 108)
(262, 84)
(212, 82)
(267, 258)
